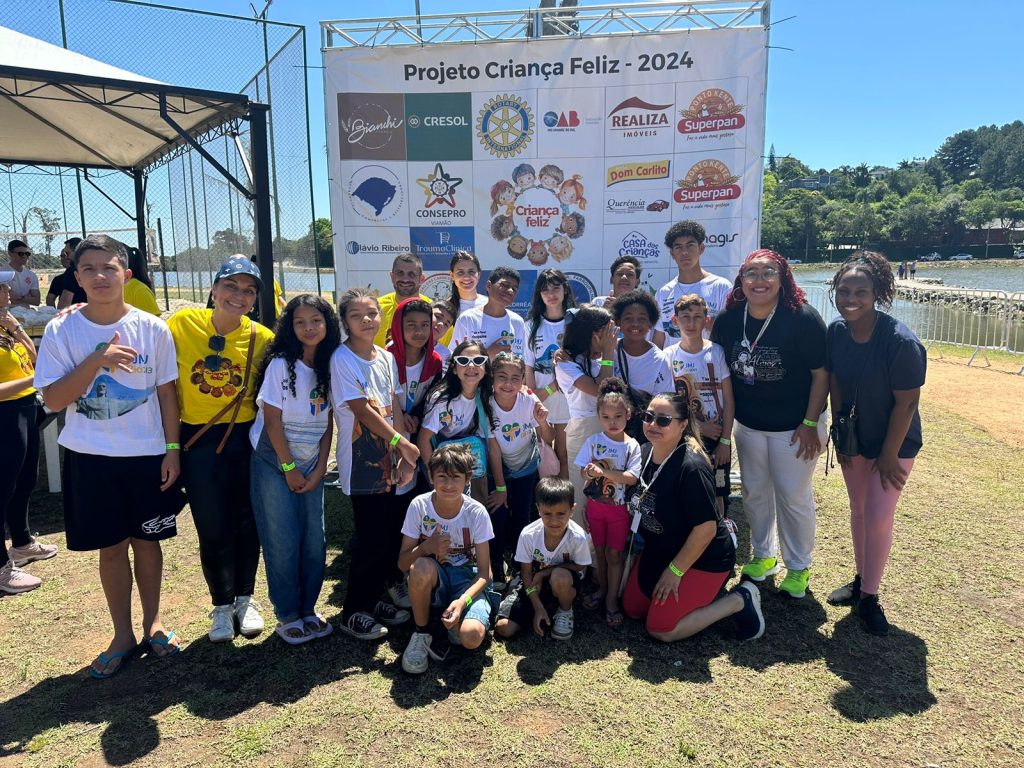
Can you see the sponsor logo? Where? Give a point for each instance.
(437, 287)
(708, 181)
(439, 126)
(657, 205)
(583, 287)
(352, 247)
(375, 193)
(635, 117)
(718, 241)
(439, 188)
(639, 245)
(645, 171)
(562, 120)
(438, 121)
(505, 125)
(437, 245)
(633, 205)
(371, 126)
(711, 111)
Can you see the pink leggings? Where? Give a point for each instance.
(871, 518)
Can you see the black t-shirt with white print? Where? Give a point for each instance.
(772, 384)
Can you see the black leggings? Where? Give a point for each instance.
(19, 468)
(218, 495)
(508, 521)
(378, 527)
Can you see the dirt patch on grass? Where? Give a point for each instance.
(990, 399)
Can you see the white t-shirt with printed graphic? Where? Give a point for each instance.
(713, 289)
(622, 456)
(304, 415)
(450, 419)
(422, 519)
(415, 390)
(649, 372)
(364, 459)
(581, 405)
(23, 283)
(515, 431)
(477, 326)
(696, 365)
(541, 357)
(119, 414)
(573, 548)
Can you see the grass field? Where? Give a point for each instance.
(943, 689)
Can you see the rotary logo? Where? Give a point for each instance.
(505, 125)
(708, 181)
(711, 110)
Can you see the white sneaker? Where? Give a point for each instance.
(562, 624)
(34, 550)
(416, 656)
(13, 580)
(399, 595)
(247, 614)
(223, 628)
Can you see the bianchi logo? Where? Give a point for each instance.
(505, 125)
(375, 193)
(370, 126)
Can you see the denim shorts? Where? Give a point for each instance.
(452, 583)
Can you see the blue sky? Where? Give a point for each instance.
(872, 81)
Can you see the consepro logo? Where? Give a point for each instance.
(505, 125)
(708, 181)
(710, 111)
(645, 171)
(635, 117)
(375, 193)
(439, 188)
(639, 245)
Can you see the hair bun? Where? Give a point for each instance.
(612, 384)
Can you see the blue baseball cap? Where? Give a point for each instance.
(239, 265)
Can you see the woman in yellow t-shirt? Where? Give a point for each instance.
(19, 449)
(138, 291)
(219, 351)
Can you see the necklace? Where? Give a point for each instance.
(744, 366)
(746, 342)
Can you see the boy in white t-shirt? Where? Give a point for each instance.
(703, 362)
(685, 241)
(494, 325)
(444, 551)
(113, 368)
(552, 554)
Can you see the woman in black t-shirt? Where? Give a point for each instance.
(689, 551)
(774, 343)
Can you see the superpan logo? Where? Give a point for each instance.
(708, 181)
(710, 111)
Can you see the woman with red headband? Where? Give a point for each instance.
(774, 342)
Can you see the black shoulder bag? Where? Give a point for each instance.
(844, 423)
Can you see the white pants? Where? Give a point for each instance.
(576, 433)
(777, 489)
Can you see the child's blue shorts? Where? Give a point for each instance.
(452, 583)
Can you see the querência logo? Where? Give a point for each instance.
(505, 125)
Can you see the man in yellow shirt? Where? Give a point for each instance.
(406, 277)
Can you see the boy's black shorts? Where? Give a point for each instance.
(108, 499)
(521, 611)
(722, 471)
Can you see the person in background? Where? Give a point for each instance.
(19, 449)
(24, 286)
(64, 289)
(494, 325)
(774, 343)
(464, 269)
(406, 277)
(876, 363)
(913, 270)
(639, 362)
(443, 314)
(138, 291)
(625, 277)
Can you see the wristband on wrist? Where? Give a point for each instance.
(173, 446)
(288, 467)
(549, 390)
(672, 567)
(809, 423)
(501, 488)
(725, 441)
(395, 440)
(531, 590)
(468, 599)
(607, 363)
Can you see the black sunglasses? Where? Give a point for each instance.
(213, 362)
(465, 360)
(650, 417)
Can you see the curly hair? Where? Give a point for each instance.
(791, 295)
(286, 344)
(877, 269)
(637, 296)
(614, 391)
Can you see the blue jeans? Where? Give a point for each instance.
(291, 528)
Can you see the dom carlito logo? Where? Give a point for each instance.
(371, 126)
(639, 245)
(636, 117)
(711, 110)
(643, 171)
(505, 125)
(439, 187)
(375, 193)
(707, 181)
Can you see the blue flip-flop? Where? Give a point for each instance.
(165, 643)
(108, 660)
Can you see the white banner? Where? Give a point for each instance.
(562, 153)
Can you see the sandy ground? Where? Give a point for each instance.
(990, 399)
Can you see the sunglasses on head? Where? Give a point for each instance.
(650, 417)
(216, 343)
(465, 360)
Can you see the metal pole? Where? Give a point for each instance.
(163, 264)
(309, 166)
(81, 202)
(140, 213)
(261, 189)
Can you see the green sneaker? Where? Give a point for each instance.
(760, 568)
(795, 583)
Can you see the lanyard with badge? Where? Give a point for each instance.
(635, 503)
(747, 368)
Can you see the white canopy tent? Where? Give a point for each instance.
(61, 108)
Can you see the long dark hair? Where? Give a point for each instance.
(455, 299)
(544, 279)
(286, 344)
(449, 387)
(682, 402)
(580, 327)
(791, 296)
(137, 264)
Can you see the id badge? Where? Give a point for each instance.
(634, 524)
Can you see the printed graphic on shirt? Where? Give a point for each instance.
(109, 399)
(217, 375)
(511, 432)
(546, 362)
(317, 402)
(371, 455)
(763, 364)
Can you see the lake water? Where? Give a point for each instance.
(995, 275)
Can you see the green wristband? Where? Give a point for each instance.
(395, 440)
(501, 488)
(809, 423)
(725, 441)
(288, 467)
(468, 599)
(531, 590)
(549, 390)
(607, 363)
(675, 571)
(173, 446)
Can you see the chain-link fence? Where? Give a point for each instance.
(195, 216)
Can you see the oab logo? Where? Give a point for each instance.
(562, 121)
(505, 125)
(710, 111)
(635, 117)
(708, 181)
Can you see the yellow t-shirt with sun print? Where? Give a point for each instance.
(16, 363)
(208, 380)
